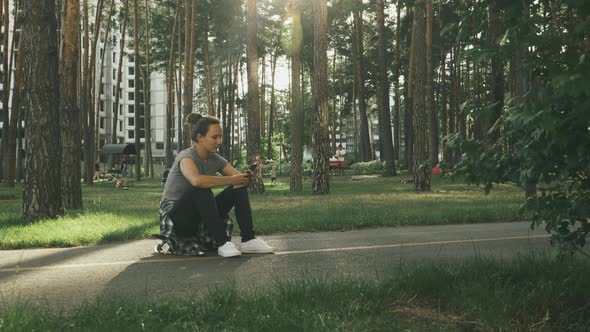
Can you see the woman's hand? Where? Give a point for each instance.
(239, 180)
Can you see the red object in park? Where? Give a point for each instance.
(337, 163)
(436, 170)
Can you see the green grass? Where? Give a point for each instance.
(114, 215)
(527, 292)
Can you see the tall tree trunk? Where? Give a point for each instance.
(207, 68)
(136, 91)
(15, 119)
(9, 142)
(431, 108)
(6, 95)
(97, 100)
(224, 81)
(453, 110)
(227, 110)
(397, 129)
(263, 96)
(71, 192)
(334, 112)
(42, 190)
(296, 184)
(321, 149)
(169, 125)
(271, 119)
(118, 80)
(87, 110)
(149, 165)
(497, 77)
(385, 136)
(364, 144)
(187, 96)
(179, 86)
(443, 89)
(232, 107)
(420, 115)
(409, 101)
(253, 146)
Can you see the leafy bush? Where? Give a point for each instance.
(370, 167)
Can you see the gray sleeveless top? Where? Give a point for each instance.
(177, 185)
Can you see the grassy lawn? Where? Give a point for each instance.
(524, 293)
(113, 215)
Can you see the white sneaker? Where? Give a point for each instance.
(228, 250)
(255, 246)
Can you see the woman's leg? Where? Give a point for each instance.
(199, 206)
(237, 198)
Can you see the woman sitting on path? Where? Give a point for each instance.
(191, 217)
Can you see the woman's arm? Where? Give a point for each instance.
(191, 172)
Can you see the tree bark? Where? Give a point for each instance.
(100, 89)
(136, 91)
(232, 107)
(296, 184)
(16, 116)
(187, 95)
(397, 107)
(364, 139)
(253, 145)
(9, 142)
(6, 93)
(42, 190)
(321, 149)
(271, 118)
(118, 81)
(146, 73)
(263, 95)
(431, 107)
(71, 191)
(443, 90)
(497, 77)
(334, 112)
(409, 102)
(207, 68)
(179, 87)
(420, 115)
(168, 158)
(385, 136)
(87, 109)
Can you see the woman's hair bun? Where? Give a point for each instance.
(192, 118)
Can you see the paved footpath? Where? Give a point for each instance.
(66, 277)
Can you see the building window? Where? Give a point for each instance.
(114, 74)
(101, 123)
(131, 83)
(131, 121)
(131, 96)
(131, 109)
(131, 71)
(120, 125)
(114, 90)
(130, 134)
(159, 145)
